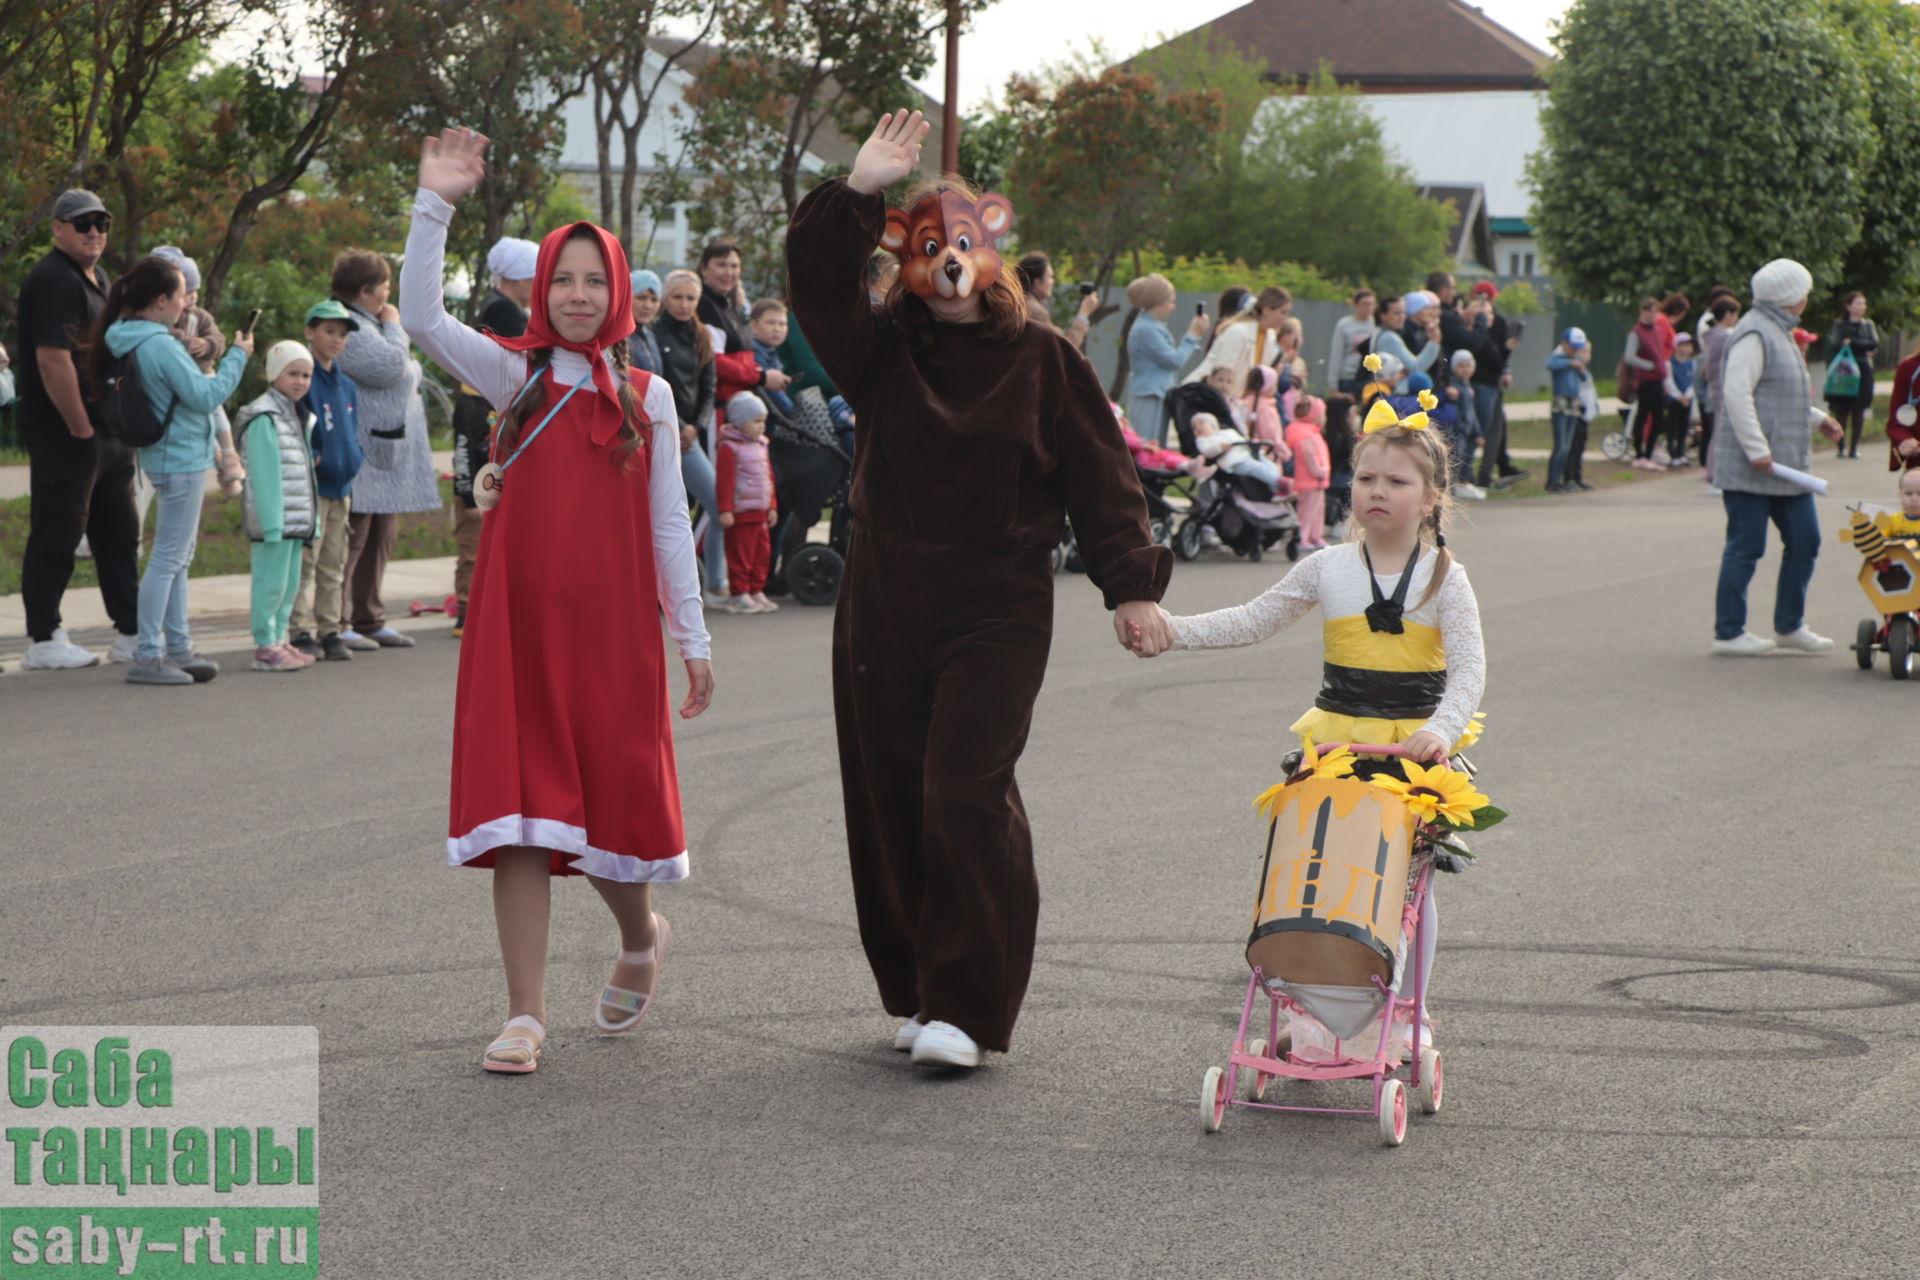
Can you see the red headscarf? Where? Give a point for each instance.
(618, 324)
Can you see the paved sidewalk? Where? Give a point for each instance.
(218, 609)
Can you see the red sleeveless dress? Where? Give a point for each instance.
(561, 737)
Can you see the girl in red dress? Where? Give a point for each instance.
(563, 762)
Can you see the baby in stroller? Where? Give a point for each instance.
(1243, 505)
(1232, 452)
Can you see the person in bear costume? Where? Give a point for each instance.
(978, 433)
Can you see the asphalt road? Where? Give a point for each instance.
(1676, 997)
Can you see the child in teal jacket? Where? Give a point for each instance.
(279, 502)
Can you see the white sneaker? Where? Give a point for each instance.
(1806, 641)
(941, 1044)
(124, 648)
(1745, 645)
(1470, 492)
(908, 1033)
(714, 599)
(57, 654)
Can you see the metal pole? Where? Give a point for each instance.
(950, 116)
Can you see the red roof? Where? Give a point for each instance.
(1383, 46)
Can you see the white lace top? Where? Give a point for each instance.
(1336, 581)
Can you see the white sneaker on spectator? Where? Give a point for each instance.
(357, 642)
(941, 1044)
(1469, 493)
(1805, 640)
(124, 648)
(1744, 645)
(714, 599)
(57, 654)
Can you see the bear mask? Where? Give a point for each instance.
(945, 243)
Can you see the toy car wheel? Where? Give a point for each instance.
(1186, 539)
(1900, 647)
(813, 574)
(1256, 549)
(1393, 1113)
(1256, 1079)
(1432, 1082)
(1213, 1099)
(1616, 446)
(1863, 643)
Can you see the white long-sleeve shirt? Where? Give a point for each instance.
(498, 375)
(1741, 371)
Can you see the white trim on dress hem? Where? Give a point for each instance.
(549, 833)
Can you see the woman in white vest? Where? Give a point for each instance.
(1766, 418)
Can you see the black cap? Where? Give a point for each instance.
(77, 203)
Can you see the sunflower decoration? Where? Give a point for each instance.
(1428, 400)
(1438, 796)
(1372, 362)
(1337, 763)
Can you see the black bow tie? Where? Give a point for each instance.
(1385, 614)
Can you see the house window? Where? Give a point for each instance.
(1513, 264)
(1529, 270)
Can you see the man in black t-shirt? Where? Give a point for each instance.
(80, 481)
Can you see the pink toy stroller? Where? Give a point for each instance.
(1337, 922)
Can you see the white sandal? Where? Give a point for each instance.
(640, 1003)
(493, 1059)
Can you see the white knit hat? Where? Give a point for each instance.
(282, 354)
(744, 408)
(1782, 282)
(513, 259)
(188, 267)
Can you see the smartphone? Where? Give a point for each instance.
(1086, 289)
(1519, 328)
(1199, 308)
(253, 318)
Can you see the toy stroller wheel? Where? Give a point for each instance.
(1432, 1083)
(1161, 530)
(1393, 1113)
(1256, 1079)
(1073, 563)
(1256, 549)
(1616, 446)
(1059, 558)
(1213, 1099)
(1186, 539)
(1900, 647)
(813, 574)
(1293, 546)
(1863, 643)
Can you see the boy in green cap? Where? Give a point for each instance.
(319, 607)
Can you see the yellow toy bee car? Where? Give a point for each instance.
(1890, 575)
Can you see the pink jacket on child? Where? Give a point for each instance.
(1312, 464)
(1266, 418)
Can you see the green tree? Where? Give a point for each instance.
(787, 76)
(1885, 260)
(1315, 183)
(1102, 159)
(1203, 60)
(988, 137)
(1771, 163)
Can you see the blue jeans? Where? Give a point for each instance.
(163, 588)
(1563, 428)
(696, 472)
(1747, 517)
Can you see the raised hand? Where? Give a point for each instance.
(453, 163)
(891, 153)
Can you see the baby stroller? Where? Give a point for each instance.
(811, 472)
(1337, 920)
(1247, 515)
(1161, 515)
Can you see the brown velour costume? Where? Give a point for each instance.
(970, 452)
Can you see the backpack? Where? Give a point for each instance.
(1843, 375)
(125, 412)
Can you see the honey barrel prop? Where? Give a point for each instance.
(1334, 885)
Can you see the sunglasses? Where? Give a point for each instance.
(88, 223)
